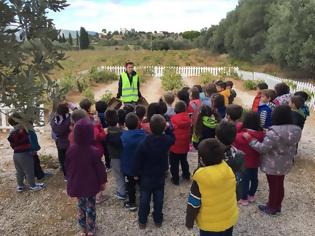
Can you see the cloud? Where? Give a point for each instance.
(150, 15)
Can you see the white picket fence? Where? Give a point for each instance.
(273, 80)
(191, 71)
(186, 71)
(5, 111)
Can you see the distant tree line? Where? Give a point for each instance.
(276, 31)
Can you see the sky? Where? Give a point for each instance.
(142, 15)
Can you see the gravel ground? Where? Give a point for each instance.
(51, 212)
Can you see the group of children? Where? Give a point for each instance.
(140, 144)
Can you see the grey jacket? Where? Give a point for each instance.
(278, 149)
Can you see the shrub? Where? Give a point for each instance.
(145, 73)
(207, 78)
(251, 84)
(107, 96)
(171, 80)
(105, 76)
(67, 84)
(88, 93)
(82, 83)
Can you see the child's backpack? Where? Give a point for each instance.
(235, 159)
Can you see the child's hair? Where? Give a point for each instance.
(198, 86)
(229, 84)
(281, 89)
(262, 86)
(132, 121)
(78, 115)
(183, 95)
(195, 94)
(218, 100)
(163, 107)
(128, 108)
(121, 116)
(211, 89)
(281, 115)
(140, 111)
(111, 117)
(298, 101)
(101, 106)
(221, 84)
(180, 107)
(269, 93)
(302, 94)
(211, 152)
(169, 97)
(226, 132)
(252, 121)
(157, 124)
(13, 119)
(204, 111)
(234, 111)
(153, 108)
(62, 108)
(86, 104)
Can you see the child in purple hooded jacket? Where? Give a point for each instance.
(86, 174)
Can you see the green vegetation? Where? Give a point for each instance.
(26, 56)
(251, 84)
(208, 78)
(107, 96)
(270, 31)
(171, 80)
(88, 93)
(84, 39)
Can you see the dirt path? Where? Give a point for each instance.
(51, 212)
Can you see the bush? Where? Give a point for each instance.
(83, 82)
(105, 76)
(67, 84)
(171, 80)
(145, 73)
(107, 96)
(88, 93)
(251, 84)
(207, 78)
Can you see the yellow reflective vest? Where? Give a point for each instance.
(129, 92)
(217, 185)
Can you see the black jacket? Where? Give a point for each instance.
(130, 79)
(152, 159)
(298, 119)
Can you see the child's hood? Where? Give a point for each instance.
(181, 120)
(84, 132)
(133, 136)
(287, 134)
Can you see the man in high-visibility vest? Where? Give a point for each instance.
(129, 85)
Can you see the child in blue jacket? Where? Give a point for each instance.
(130, 140)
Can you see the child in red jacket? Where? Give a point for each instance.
(252, 126)
(256, 102)
(178, 153)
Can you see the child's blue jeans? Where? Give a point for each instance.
(144, 208)
(249, 182)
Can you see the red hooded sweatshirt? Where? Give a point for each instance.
(182, 130)
(252, 158)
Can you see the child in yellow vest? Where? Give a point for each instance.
(212, 199)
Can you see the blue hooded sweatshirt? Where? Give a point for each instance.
(130, 141)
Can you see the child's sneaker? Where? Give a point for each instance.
(130, 206)
(20, 189)
(120, 196)
(243, 202)
(251, 199)
(38, 187)
(174, 181)
(142, 226)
